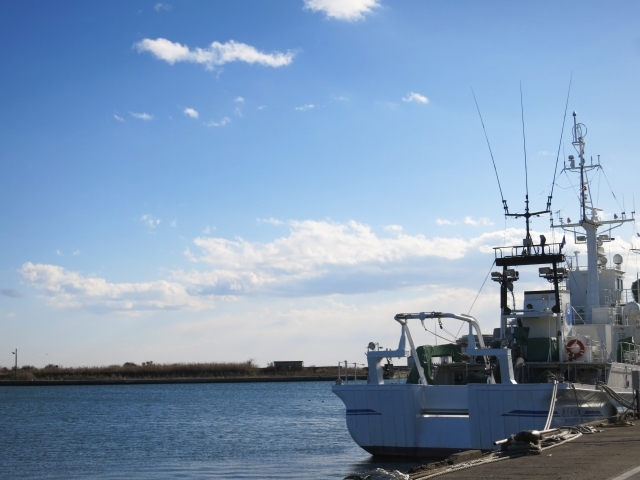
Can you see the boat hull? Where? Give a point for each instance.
(438, 420)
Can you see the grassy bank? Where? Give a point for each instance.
(150, 370)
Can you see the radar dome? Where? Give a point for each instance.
(617, 259)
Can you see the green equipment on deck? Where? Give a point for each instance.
(426, 353)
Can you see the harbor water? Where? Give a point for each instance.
(220, 431)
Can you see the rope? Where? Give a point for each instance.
(613, 394)
(434, 333)
(552, 407)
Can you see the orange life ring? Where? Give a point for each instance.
(575, 349)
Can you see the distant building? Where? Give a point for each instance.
(291, 366)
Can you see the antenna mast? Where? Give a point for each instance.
(528, 242)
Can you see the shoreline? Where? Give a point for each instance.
(159, 381)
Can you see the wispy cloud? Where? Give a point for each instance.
(220, 123)
(120, 119)
(142, 116)
(262, 107)
(444, 221)
(214, 55)
(190, 112)
(66, 289)
(416, 98)
(467, 221)
(390, 105)
(159, 7)
(546, 153)
(479, 221)
(150, 221)
(349, 10)
(239, 100)
(237, 112)
(270, 220)
(303, 108)
(208, 230)
(173, 224)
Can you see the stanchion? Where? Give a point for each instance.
(635, 384)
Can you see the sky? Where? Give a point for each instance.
(234, 180)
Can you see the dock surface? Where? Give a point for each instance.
(612, 454)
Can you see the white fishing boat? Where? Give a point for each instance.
(567, 356)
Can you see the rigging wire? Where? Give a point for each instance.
(478, 294)
(611, 189)
(504, 202)
(524, 144)
(564, 119)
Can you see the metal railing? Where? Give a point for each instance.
(527, 250)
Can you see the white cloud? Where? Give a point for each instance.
(208, 230)
(120, 119)
(221, 123)
(416, 98)
(239, 100)
(479, 221)
(308, 106)
(214, 55)
(59, 253)
(141, 116)
(443, 221)
(318, 256)
(150, 221)
(313, 258)
(546, 153)
(237, 112)
(162, 6)
(173, 224)
(270, 220)
(190, 112)
(76, 252)
(262, 107)
(67, 289)
(348, 10)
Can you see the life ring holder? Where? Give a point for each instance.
(575, 349)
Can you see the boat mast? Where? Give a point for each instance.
(590, 220)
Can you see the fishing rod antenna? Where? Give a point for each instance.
(504, 202)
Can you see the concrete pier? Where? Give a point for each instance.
(613, 454)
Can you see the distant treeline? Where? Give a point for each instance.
(152, 370)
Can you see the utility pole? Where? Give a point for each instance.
(16, 367)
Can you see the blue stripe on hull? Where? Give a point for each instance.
(433, 453)
(362, 411)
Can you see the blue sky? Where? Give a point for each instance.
(211, 181)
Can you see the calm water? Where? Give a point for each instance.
(220, 431)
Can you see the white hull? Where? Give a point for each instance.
(437, 420)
